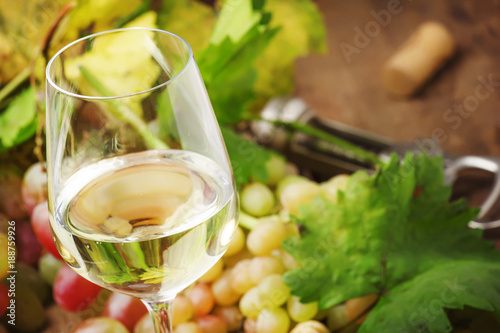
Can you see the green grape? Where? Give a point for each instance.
(287, 181)
(285, 257)
(301, 312)
(257, 199)
(251, 303)
(28, 277)
(276, 170)
(30, 314)
(237, 243)
(182, 310)
(231, 261)
(297, 194)
(101, 325)
(336, 317)
(48, 266)
(310, 326)
(273, 290)
(330, 188)
(189, 327)
(213, 273)
(266, 237)
(224, 294)
(261, 267)
(144, 325)
(273, 320)
(241, 281)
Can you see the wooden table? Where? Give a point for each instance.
(346, 86)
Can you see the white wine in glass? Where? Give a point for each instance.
(141, 192)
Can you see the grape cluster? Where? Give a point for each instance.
(243, 292)
(249, 277)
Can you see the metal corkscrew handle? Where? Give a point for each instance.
(489, 164)
(312, 153)
(327, 159)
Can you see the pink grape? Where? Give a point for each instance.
(34, 186)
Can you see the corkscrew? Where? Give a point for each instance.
(325, 159)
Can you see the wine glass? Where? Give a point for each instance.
(142, 198)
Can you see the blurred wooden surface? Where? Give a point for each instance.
(351, 92)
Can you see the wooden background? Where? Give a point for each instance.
(351, 92)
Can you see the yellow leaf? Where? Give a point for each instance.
(190, 19)
(98, 15)
(118, 64)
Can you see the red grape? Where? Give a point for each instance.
(29, 248)
(72, 292)
(231, 315)
(126, 309)
(212, 324)
(41, 227)
(34, 187)
(202, 299)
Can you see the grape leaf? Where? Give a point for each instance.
(19, 121)
(247, 159)
(236, 18)
(395, 234)
(230, 104)
(227, 64)
(417, 305)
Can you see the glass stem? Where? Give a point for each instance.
(161, 313)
